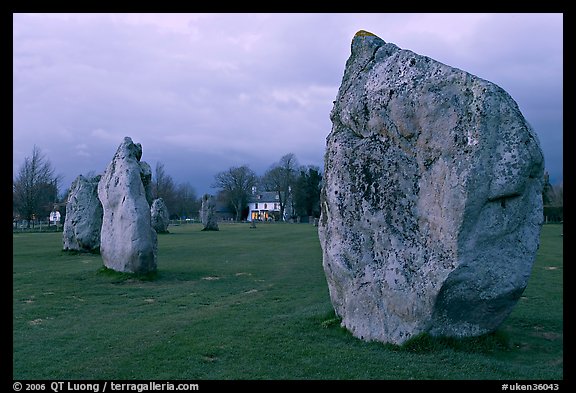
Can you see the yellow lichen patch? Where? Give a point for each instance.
(364, 33)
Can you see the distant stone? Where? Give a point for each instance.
(208, 213)
(81, 231)
(432, 198)
(146, 177)
(159, 216)
(128, 242)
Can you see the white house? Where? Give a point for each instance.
(55, 217)
(263, 206)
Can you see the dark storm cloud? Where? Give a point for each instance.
(204, 92)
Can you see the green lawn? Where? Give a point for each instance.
(246, 303)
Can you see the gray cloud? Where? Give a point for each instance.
(203, 92)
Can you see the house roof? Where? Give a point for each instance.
(264, 197)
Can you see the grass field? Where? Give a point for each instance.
(247, 304)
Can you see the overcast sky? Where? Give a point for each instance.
(205, 92)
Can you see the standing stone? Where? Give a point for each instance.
(83, 221)
(208, 213)
(146, 177)
(432, 198)
(128, 242)
(159, 216)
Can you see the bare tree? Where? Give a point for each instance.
(163, 186)
(281, 178)
(236, 183)
(186, 203)
(35, 188)
(557, 195)
(553, 200)
(552, 195)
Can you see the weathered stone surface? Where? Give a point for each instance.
(208, 213)
(83, 221)
(127, 242)
(146, 177)
(159, 216)
(431, 204)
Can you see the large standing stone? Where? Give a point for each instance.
(83, 221)
(159, 216)
(208, 213)
(432, 198)
(128, 243)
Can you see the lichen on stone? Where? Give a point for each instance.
(364, 33)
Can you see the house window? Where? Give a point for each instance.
(265, 206)
(256, 205)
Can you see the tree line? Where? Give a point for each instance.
(35, 191)
(297, 187)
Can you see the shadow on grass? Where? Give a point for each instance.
(95, 251)
(165, 276)
(497, 341)
(120, 277)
